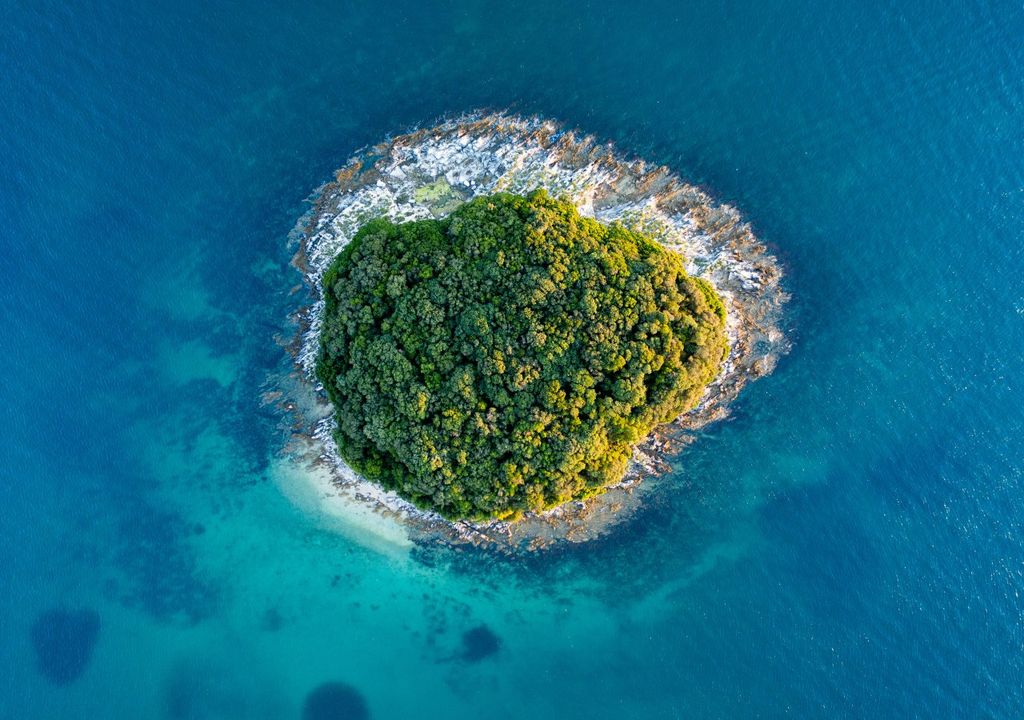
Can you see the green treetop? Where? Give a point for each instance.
(509, 357)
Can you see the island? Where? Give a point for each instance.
(508, 357)
(348, 453)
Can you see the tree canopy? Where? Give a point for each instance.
(508, 357)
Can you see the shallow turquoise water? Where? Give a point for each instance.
(849, 544)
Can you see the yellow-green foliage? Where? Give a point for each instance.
(508, 357)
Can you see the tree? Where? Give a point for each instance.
(509, 357)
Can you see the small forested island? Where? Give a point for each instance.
(504, 369)
(508, 357)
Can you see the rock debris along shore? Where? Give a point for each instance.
(428, 173)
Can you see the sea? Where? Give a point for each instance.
(849, 543)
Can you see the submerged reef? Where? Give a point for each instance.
(335, 701)
(428, 174)
(479, 643)
(64, 641)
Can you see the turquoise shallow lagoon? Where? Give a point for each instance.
(848, 544)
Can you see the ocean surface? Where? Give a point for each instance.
(848, 544)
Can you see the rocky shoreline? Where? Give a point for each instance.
(428, 173)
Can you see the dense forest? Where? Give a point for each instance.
(508, 357)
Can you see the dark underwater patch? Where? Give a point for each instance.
(64, 641)
(161, 567)
(479, 643)
(335, 701)
(272, 621)
(202, 688)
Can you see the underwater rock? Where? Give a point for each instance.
(335, 701)
(272, 620)
(479, 643)
(64, 641)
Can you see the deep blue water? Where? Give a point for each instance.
(849, 544)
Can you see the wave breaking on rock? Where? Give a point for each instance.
(430, 172)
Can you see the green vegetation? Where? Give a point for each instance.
(508, 357)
